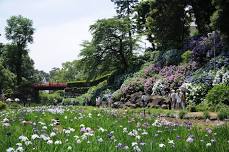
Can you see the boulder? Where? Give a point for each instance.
(135, 97)
(117, 105)
(165, 106)
(158, 101)
(129, 104)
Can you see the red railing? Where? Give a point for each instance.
(50, 85)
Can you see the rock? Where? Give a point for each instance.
(135, 97)
(152, 105)
(158, 101)
(131, 105)
(165, 106)
(117, 105)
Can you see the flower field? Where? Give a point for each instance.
(64, 129)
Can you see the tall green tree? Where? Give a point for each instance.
(109, 49)
(220, 19)
(202, 11)
(125, 9)
(166, 22)
(20, 31)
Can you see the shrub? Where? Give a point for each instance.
(203, 106)
(182, 113)
(160, 87)
(223, 114)
(196, 93)
(152, 56)
(14, 105)
(2, 105)
(148, 84)
(117, 95)
(218, 94)
(206, 115)
(186, 56)
(151, 70)
(132, 85)
(222, 76)
(202, 47)
(192, 107)
(172, 57)
(47, 98)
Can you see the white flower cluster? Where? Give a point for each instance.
(158, 88)
(221, 77)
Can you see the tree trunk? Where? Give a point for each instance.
(130, 34)
(19, 64)
(123, 59)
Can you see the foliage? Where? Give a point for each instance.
(203, 106)
(10, 58)
(164, 22)
(218, 94)
(124, 8)
(172, 57)
(202, 11)
(109, 49)
(186, 56)
(7, 78)
(2, 105)
(70, 71)
(152, 56)
(220, 19)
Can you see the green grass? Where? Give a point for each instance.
(110, 120)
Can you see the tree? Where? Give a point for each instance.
(220, 20)
(124, 9)
(70, 71)
(202, 11)
(166, 22)
(109, 49)
(19, 30)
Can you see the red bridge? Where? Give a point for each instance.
(50, 86)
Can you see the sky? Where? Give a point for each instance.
(60, 26)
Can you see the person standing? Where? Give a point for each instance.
(98, 101)
(109, 99)
(173, 99)
(178, 99)
(145, 99)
